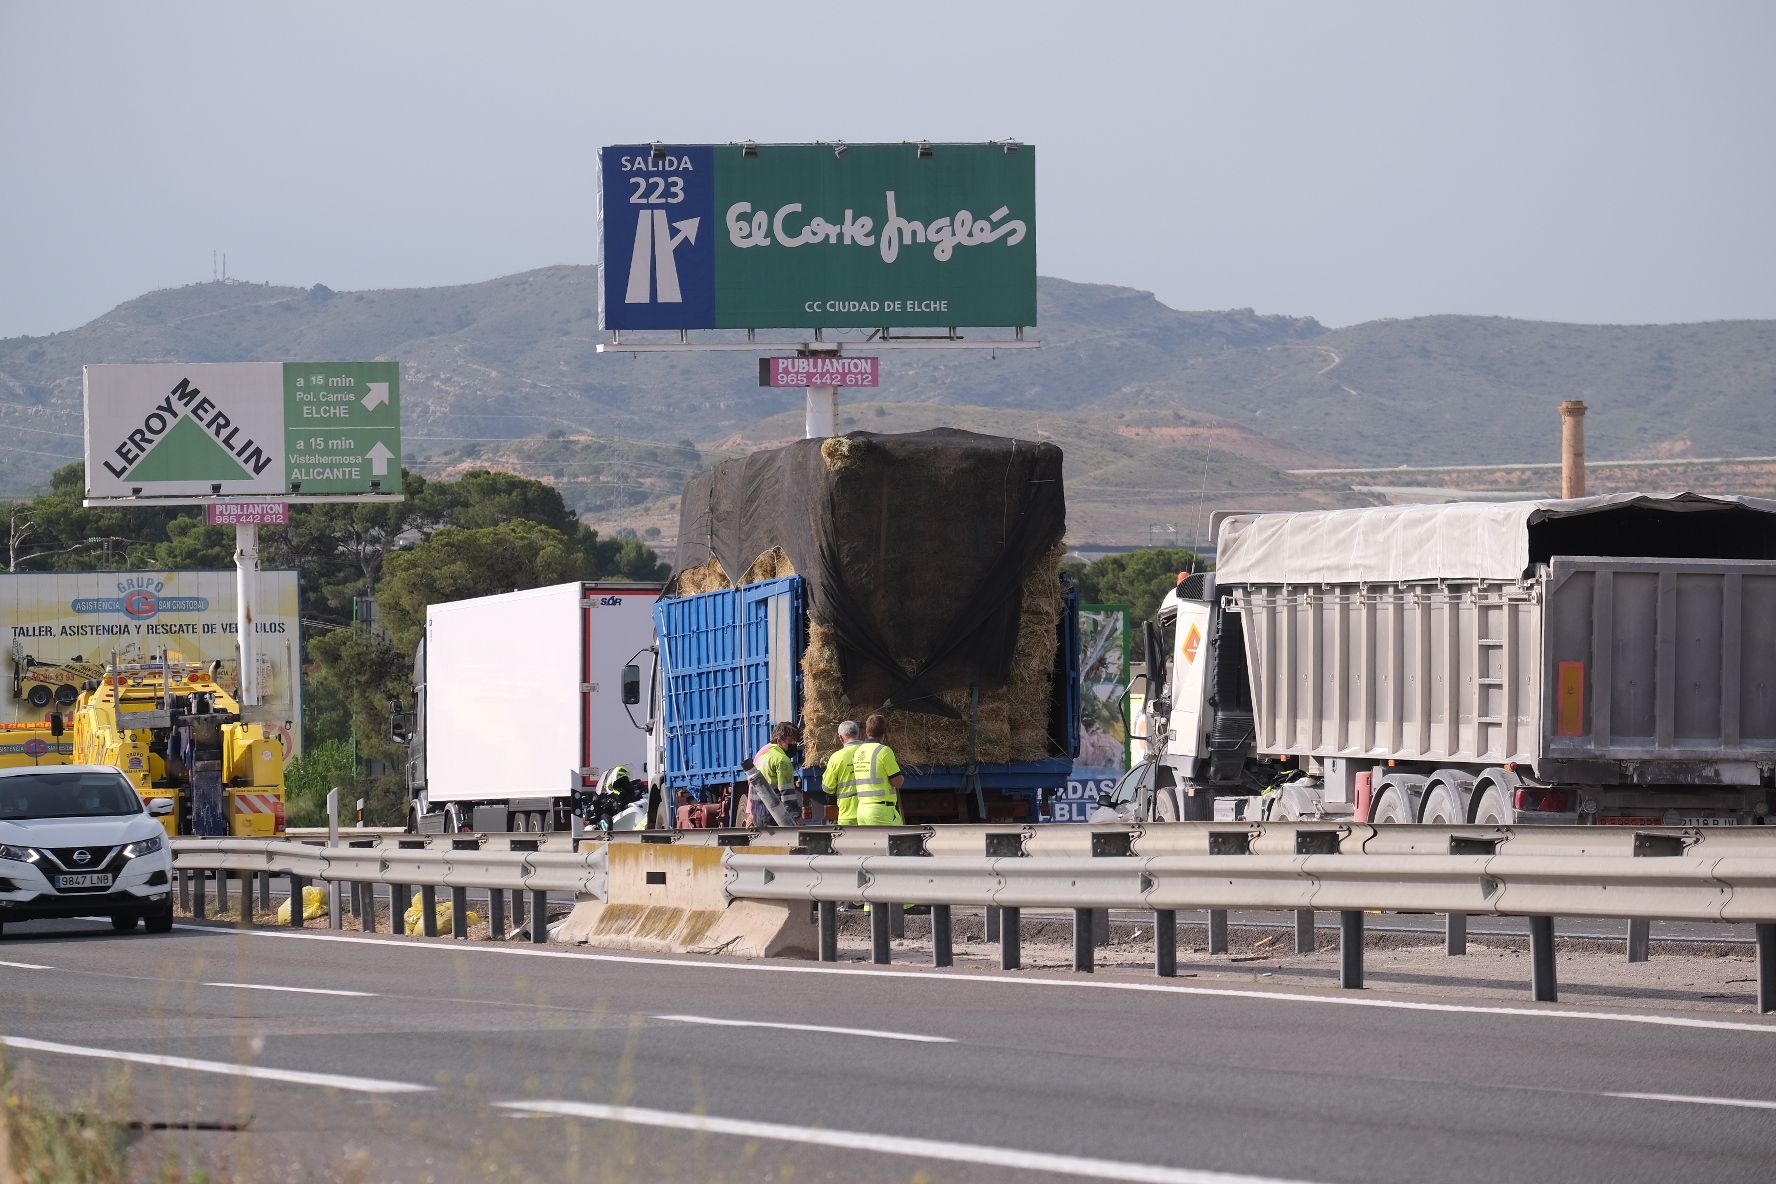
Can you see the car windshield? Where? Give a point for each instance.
(67, 795)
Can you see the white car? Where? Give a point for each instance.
(77, 841)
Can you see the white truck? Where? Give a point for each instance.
(515, 711)
(1604, 660)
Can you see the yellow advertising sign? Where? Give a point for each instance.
(62, 629)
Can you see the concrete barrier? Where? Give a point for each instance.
(673, 897)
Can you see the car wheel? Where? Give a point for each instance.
(124, 922)
(161, 922)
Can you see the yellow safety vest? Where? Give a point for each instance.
(878, 803)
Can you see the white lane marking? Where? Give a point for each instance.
(294, 990)
(720, 1023)
(363, 1085)
(1745, 1103)
(1667, 1021)
(1076, 1166)
(26, 966)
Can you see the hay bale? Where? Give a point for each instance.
(706, 577)
(772, 565)
(841, 452)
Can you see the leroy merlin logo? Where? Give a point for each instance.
(188, 437)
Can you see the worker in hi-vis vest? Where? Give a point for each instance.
(876, 777)
(837, 780)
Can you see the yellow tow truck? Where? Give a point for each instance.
(180, 738)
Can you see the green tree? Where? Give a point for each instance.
(309, 778)
(1139, 579)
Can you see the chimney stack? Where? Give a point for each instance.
(1572, 448)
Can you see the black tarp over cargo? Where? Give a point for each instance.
(915, 548)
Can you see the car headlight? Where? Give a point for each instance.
(142, 847)
(21, 854)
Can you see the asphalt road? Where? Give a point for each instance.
(436, 1061)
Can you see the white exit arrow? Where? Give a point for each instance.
(379, 458)
(379, 394)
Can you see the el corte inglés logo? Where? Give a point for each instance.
(187, 436)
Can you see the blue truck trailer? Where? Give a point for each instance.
(730, 668)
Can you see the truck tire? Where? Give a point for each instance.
(1494, 808)
(1165, 805)
(1442, 807)
(124, 922)
(1391, 807)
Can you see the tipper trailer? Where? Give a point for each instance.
(1606, 660)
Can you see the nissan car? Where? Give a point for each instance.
(77, 841)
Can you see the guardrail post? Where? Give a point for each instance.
(459, 912)
(428, 905)
(1350, 949)
(265, 892)
(896, 920)
(1082, 939)
(297, 884)
(222, 878)
(197, 894)
(1011, 954)
(496, 914)
(942, 948)
(1101, 928)
(370, 907)
(399, 898)
(880, 921)
(1541, 953)
(1455, 934)
(829, 930)
(539, 918)
(246, 897)
(1640, 933)
(184, 889)
(1304, 931)
(1766, 960)
(1165, 943)
(517, 908)
(1217, 931)
(993, 919)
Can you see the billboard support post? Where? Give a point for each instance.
(246, 581)
(823, 412)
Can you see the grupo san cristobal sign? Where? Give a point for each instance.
(745, 236)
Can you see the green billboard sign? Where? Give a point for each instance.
(745, 236)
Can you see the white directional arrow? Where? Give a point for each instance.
(379, 458)
(379, 392)
(687, 232)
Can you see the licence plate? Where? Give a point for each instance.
(88, 880)
(1723, 821)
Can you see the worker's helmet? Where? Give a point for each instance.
(615, 778)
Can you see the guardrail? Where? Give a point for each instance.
(523, 867)
(1538, 873)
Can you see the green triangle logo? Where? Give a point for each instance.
(188, 453)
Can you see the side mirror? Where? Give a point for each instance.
(631, 684)
(56, 727)
(160, 807)
(399, 730)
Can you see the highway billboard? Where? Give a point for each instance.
(63, 628)
(755, 236)
(173, 431)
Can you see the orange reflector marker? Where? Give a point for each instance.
(1572, 699)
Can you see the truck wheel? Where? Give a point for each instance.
(1443, 808)
(1494, 808)
(1165, 805)
(124, 922)
(40, 695)
(1390, 808)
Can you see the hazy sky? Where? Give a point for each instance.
(1605, 162)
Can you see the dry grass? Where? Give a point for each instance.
(772, 565)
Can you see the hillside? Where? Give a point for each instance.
(1164, 414)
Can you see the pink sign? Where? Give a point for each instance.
(249, 513)
(819, 370)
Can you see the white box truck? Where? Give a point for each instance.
(515, 709)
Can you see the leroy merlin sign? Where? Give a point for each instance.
(254, 429)
(822, 235)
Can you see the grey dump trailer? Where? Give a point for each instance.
(1607, 660)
